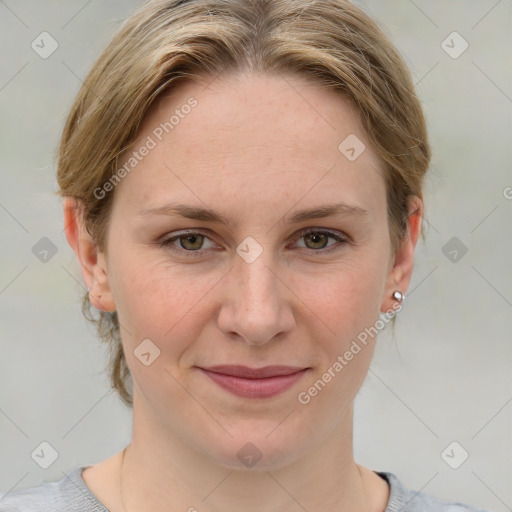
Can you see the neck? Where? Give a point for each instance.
(159, 471)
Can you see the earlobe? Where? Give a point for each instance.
(400, 272)
(91, 260)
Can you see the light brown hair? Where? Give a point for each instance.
(332, 43)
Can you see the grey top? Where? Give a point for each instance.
(70, 494)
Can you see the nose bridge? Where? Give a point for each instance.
(257, 306)
(259, 287)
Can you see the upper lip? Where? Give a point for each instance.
(254, 373)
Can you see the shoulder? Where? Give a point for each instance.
(406, 500)
(69, 494)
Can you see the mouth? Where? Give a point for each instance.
(248, 382)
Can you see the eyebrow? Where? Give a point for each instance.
(209, 215)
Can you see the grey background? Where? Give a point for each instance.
(447, 377)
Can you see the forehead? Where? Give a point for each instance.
(277, 136)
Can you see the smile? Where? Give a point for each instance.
(255, 383)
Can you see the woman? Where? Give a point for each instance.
(242, 187)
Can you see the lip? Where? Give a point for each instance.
(248, 382)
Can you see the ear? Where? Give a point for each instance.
(92, 261)
(402, 261)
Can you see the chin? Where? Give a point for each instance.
(256, 452)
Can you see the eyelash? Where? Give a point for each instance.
(167, 242)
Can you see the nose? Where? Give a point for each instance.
(257, 304)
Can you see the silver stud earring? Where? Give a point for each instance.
(399, 296)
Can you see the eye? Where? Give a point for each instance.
(190, 243)
(317, 239)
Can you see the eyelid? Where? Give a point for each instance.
(329, 231)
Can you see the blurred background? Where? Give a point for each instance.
(436, 407)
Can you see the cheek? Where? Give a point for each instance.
(348, 296)
(348, 310)
(157, 302)
(160, 300)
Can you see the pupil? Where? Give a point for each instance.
(315, 236)
(192, 239)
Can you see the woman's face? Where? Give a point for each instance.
(253, 150)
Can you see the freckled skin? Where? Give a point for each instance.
(254, 150)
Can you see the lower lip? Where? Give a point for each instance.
(255, 388)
